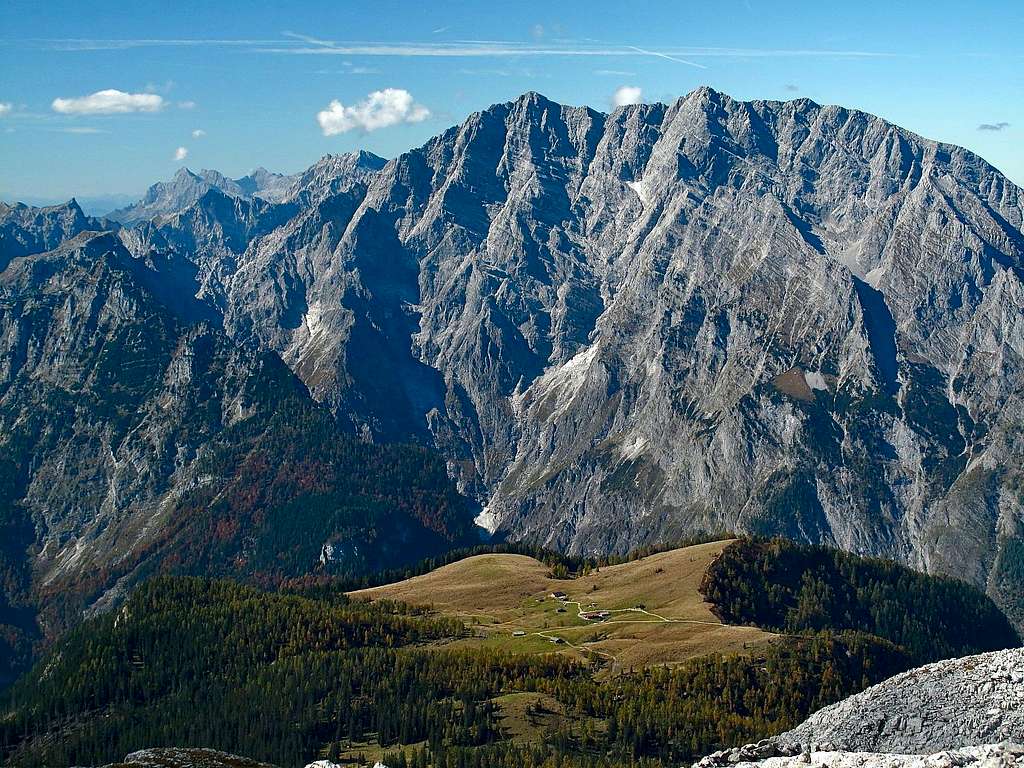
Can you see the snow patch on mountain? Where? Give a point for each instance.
(641, 191)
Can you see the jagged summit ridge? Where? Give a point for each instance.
(188, 186)
(774, 317)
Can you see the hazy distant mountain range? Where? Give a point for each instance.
(93, 205)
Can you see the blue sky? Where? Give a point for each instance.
(253, 76)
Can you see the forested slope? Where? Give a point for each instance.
(289, 676)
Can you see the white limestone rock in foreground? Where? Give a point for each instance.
(958, 702)
(1004, 755)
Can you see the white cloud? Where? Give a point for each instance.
(378, 110)
(198, 133)
(667, 57)
(5, 108)
(304, 45)
(109, 102)
(627, 94)
(186, 105)
(180, 154)
(167, 87)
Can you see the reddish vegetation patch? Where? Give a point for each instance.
(793, 383)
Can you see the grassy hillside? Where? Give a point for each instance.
(656, 612)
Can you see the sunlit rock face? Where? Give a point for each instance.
(952, 713)
(772, 317)
(970, 701)
(769, 317)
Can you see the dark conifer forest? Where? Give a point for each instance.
(288, 676)
(787, 587)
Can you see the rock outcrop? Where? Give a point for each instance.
(178, 757)
(1002, 755)
(958, 702)
(954, 713)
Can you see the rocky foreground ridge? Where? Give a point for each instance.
(968, 702)
(1003, 755)
(957, 712)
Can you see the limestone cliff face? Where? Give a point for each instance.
(760, 316)
(771, 317)
(137, 438)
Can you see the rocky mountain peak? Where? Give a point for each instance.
(770, 317)
(185, 174)
(186, 187)
(673, 276)
(369, 160)
(705, 96)
(332, 174)
(25, 230)
(73, 208)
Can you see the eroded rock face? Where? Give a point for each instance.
(958, 702)
(953, 713)
(771, 317)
